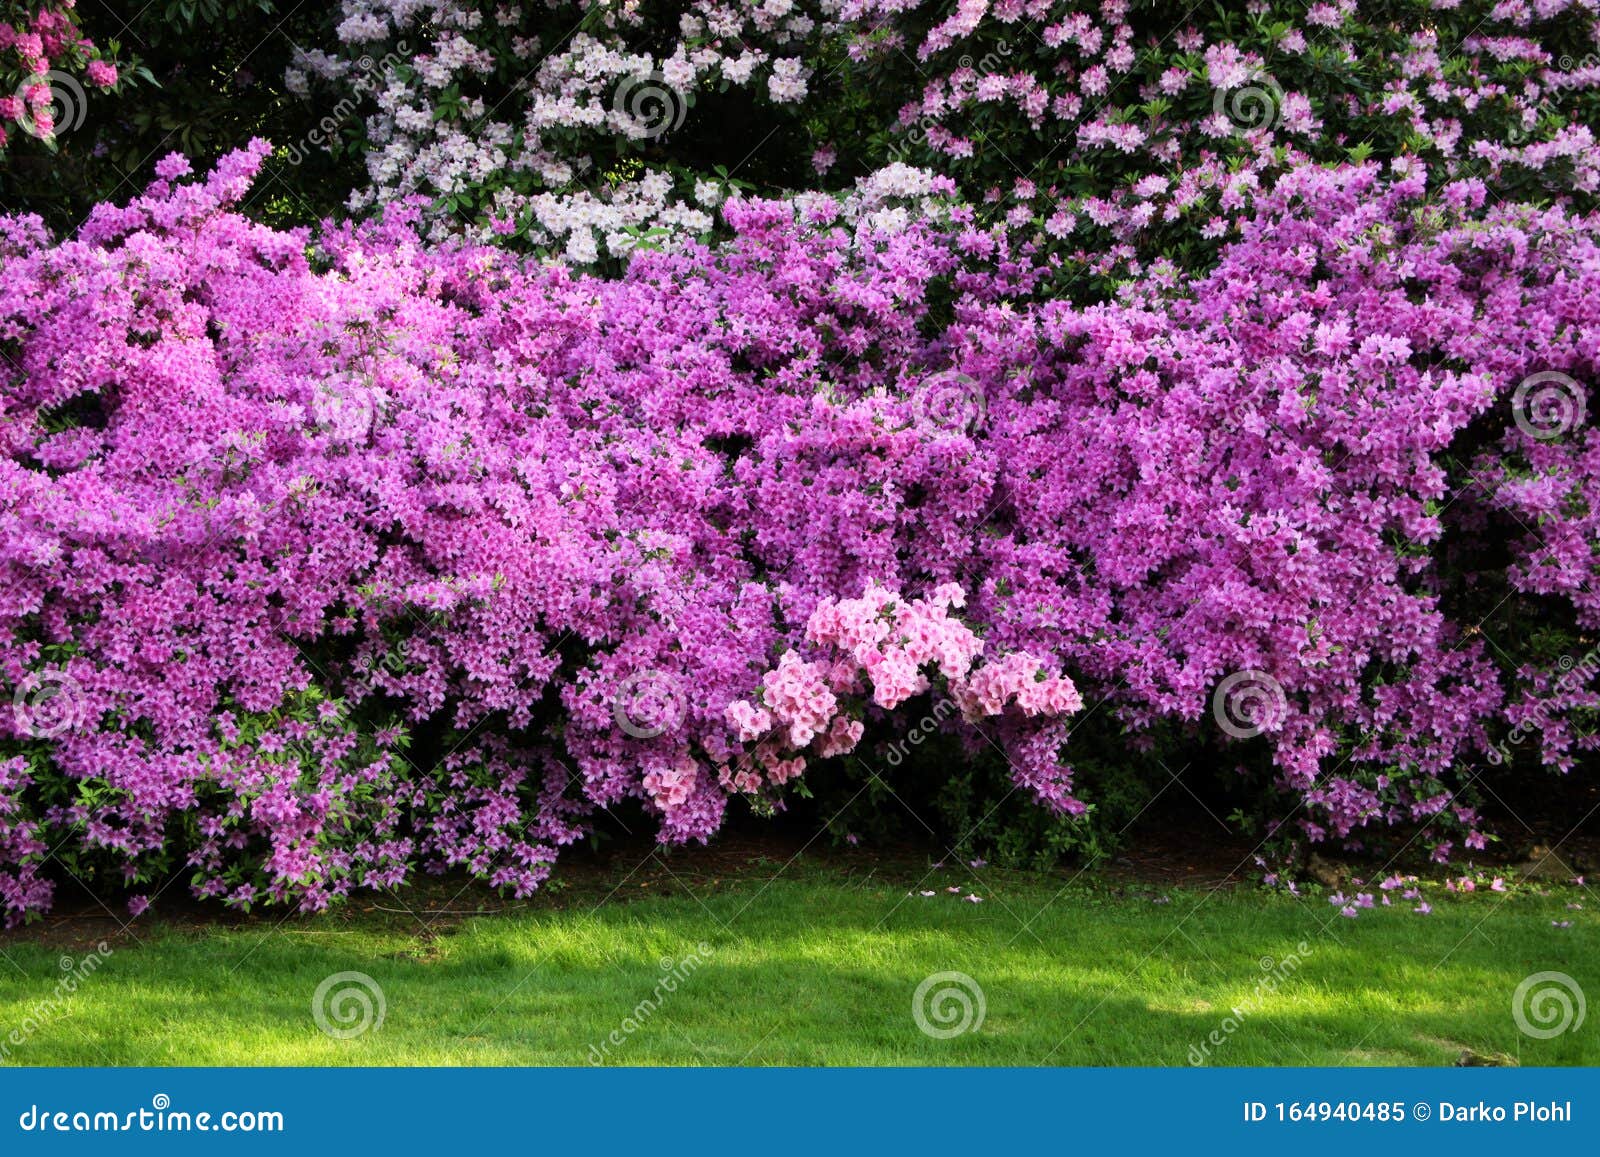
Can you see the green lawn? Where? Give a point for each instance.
(817, 963)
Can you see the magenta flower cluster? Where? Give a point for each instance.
(1150, 118)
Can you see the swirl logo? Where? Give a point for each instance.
(648, 703)
(1548, 1004)
(949, 401)
(948, 1004)
(1547, 405)
(649, 106)
(160, 1102)
(52, 104)
(47, 704)
(345, 407)
(1257, 106)
(1247, 703)
(348, 1004)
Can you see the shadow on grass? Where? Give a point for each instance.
(809, 972)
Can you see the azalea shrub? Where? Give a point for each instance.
(334, 557)
(580, 465)
(380, 488)
(1123, 128)
(1151, 128)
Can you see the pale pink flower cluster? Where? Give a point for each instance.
(797, 693)
(891, 639)
(1017, 677)
(670, 785)
(894, 645)
(749, 721)
(841, 738)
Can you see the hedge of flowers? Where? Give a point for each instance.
(1145, 125)
(334, 555)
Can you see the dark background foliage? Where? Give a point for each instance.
(200, 77)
